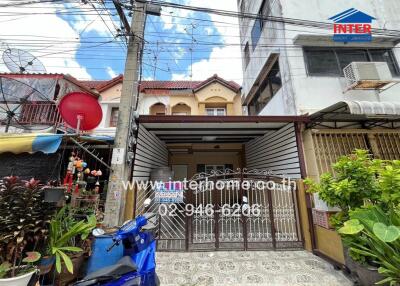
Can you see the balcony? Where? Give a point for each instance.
(39, 114)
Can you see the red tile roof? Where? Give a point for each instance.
(102, 85)
(160, 84)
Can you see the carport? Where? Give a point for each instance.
(217, 148)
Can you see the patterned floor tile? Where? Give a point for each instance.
(272, 268)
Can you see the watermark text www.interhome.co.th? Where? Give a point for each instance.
(246, 184)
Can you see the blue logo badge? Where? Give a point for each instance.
(352, 26)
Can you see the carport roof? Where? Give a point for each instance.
(214, 129)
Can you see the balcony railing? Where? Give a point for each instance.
(39, 114)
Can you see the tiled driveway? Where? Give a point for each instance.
(246, 268)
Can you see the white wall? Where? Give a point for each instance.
(104, 126)
(146, 101)
(300, 93)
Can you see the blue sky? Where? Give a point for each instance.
(74, 40)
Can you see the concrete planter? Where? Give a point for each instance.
(365, 275)
(368, 275)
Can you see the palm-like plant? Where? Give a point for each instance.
(63, 232)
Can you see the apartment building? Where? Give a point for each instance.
(336, 61)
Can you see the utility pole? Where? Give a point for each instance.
(122, 159)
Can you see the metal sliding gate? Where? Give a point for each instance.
(240, 210)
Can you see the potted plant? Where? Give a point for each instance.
(65, 240)
(359, 182)
(19, 275)
(375, 234)
(24, 219)
(352, 183)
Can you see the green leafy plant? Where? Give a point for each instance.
(374, 234)
(353, 184)
(24, 218)
(30, 259)
(63, 232)
(4, 268)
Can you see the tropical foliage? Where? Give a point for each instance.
(368, 193)
(64, 231)
(31, 258)
(375, 234)
(358, 180)
(24, 219)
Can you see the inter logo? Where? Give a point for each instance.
(352, 26)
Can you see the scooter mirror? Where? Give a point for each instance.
(147, 202)
(98, 232)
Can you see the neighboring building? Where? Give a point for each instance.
(32, 100)
(296, 70)
(31, 128)
(213, 96)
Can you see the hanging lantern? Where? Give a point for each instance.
(99, 173)
(87, 171)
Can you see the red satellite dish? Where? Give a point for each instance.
(83, 107)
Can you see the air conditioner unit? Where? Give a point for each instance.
(367, 75)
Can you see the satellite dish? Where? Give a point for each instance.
(24, 107)
(80, 110)
(19, 61)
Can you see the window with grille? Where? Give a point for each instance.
(332, 61)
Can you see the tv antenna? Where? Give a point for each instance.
(193, 26)
(23, 106)
(20, 61)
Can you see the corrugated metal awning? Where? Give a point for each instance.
(359, 112)
(373, 108)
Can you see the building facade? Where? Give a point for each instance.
(300, 69)
(294, 69)
(213, 96)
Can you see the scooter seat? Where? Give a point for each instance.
(123, 266)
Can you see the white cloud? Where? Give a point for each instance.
(45, 36)
(93, 21)
(217, 63)
(111, 72)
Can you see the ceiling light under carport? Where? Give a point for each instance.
(209, 138)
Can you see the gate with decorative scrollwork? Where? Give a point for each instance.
(232, 209)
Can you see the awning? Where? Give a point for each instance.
(369, 113)
(31, 143)
(214, 129)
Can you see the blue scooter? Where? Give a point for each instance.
(138, 266)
